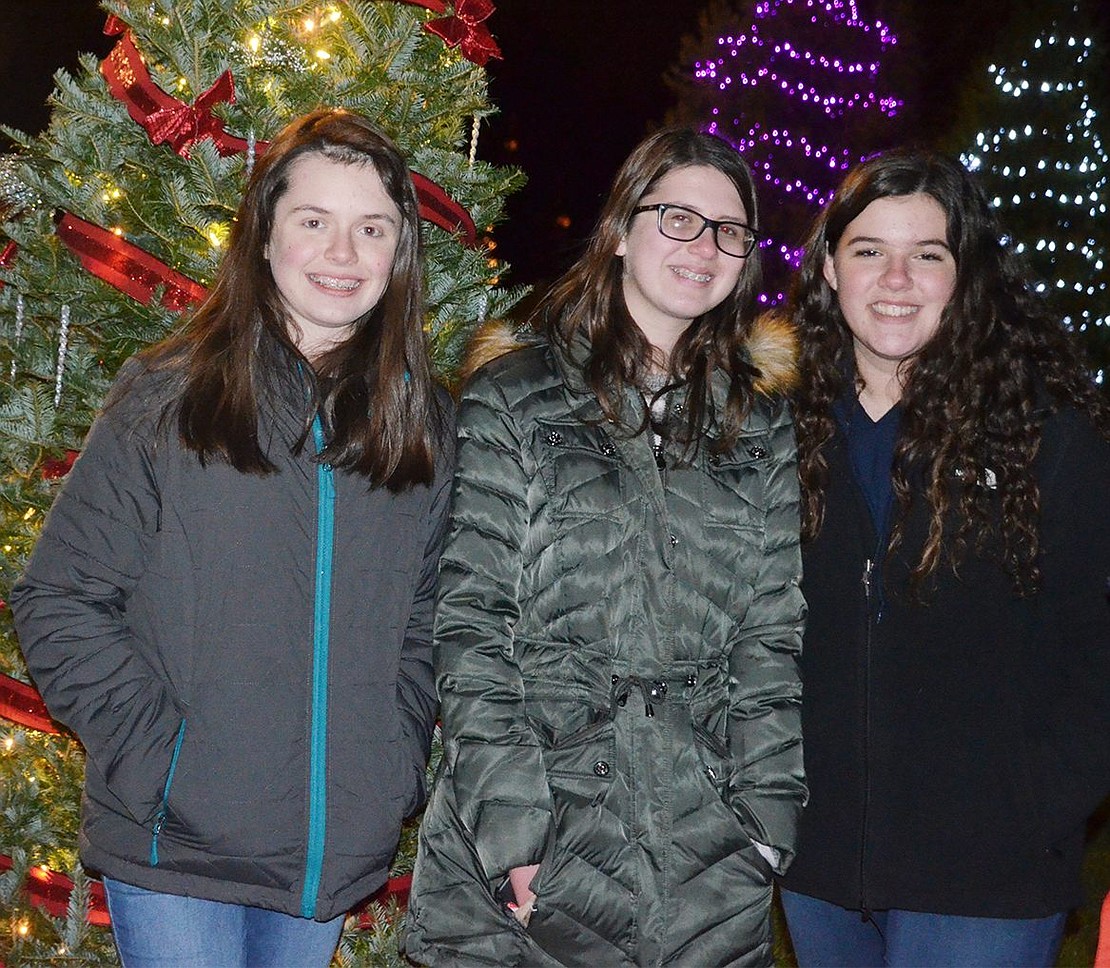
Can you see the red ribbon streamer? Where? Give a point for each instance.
(7, 257)
(439, 208)
(163, 116)
(464, 28)
(50, 891)
(125, 266)
(21, 704)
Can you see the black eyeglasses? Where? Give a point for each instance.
(685, 225)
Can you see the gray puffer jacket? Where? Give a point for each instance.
(247, 659)
(616, 652)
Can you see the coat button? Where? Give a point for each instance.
(674, 540)
(601, 768)
(691, 680)
(554, 438)
(757, 452)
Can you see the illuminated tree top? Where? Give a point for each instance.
(1044, 161)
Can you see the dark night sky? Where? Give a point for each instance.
(580, 83)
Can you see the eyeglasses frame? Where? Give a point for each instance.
(660, 207)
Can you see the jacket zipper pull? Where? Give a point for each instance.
(867, 566)
(159, 823)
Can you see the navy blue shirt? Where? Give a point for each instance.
(871, 450)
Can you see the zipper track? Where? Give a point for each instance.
(317, 798)
(867, 569)
(160, 817)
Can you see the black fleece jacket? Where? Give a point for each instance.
(955, 748)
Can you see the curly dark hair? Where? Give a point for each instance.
(588, 300)
(974, 398)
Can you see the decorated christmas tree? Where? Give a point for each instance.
(1043, 159)
(113, 224)
(794, 85)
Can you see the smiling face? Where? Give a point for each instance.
(668, 284)
(893, 274)
(331, 248)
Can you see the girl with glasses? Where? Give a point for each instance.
(619, 617)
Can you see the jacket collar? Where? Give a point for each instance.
(772, 347)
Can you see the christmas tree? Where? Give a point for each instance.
(796, 91)
(1044, 162)
(114, 219)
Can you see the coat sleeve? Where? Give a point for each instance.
(416, 693)
(1073, 746)
(492, 755)
(70, 611)
(768, 788)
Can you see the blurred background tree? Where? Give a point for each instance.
(795, 85)
(1040, 149)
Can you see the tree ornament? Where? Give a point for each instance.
(63, 346)
(18, 334)
(464, 28)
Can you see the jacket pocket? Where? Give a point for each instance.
(578, 742)
(160, 816)
(737, 483)
(581, 471)
(715, 760)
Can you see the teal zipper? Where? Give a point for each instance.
(317, 782)
(160, 817)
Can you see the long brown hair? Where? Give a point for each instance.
(588, 301)
(973, 399)
(375, 391)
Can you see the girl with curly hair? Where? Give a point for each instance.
(954, 472)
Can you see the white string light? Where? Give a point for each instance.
(1071, 263)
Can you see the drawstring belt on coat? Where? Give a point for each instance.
(652, 691)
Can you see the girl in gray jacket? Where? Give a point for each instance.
(231, 600)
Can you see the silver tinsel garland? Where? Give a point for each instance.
(15, 194)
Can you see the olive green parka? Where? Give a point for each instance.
(617, 653)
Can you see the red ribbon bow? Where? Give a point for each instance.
(164, 117)
(182, 125)
(464, 28)
(167, 119)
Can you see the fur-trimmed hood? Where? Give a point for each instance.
(772, 345)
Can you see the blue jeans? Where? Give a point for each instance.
(828, 936)
(155, 930)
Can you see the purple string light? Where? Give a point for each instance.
(829, 87)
